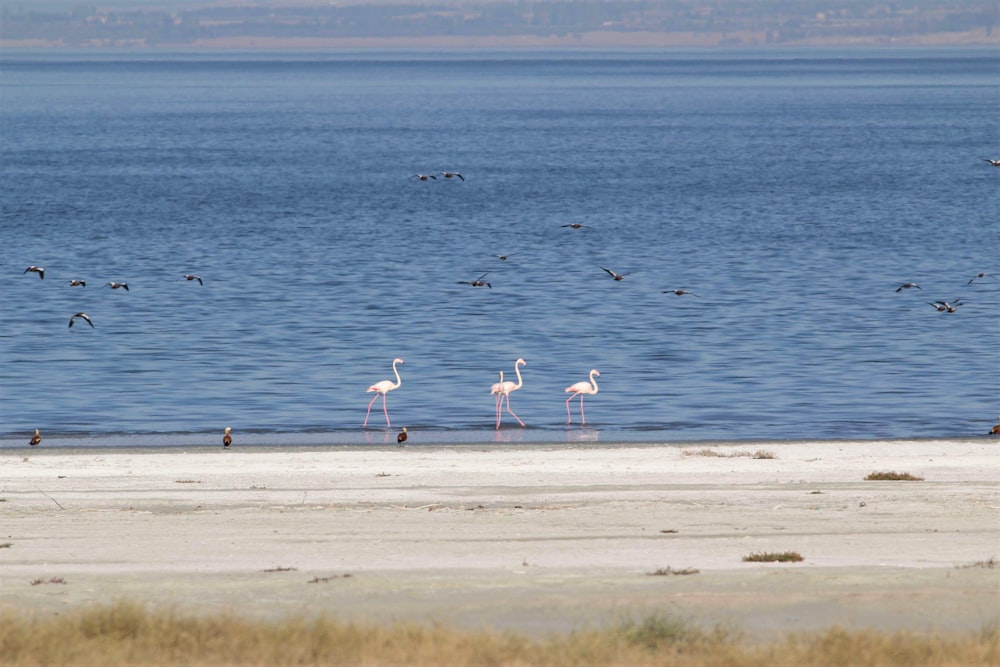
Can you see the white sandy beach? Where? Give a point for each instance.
(526, 537)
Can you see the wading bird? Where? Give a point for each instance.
(497, 390)
(82, 316)
(993, 431)
(40, 270)
(478, 282)
(35, 439)
(401, 438)
(226, 438)
(382, 388)
(507, 387)
(189, 276)
(581, 389)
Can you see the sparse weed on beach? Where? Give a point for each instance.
(894, 477)
(131, 634)
(664, 571)
(773, 557)
(739, 453)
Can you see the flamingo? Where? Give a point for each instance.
(478, 282)
(424, 177)
(455, 174)
(679, 292)
(995, 163)
(384, 387)
(226, 438)
(580, 389)
(981, 275)
(508, 387)
(497, 390)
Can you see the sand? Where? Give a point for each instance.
(532, 538)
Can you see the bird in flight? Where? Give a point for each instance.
(82, 316)
(616, 276)
(40, 270)
(77, 283)
(679, 292)
(478, 282)
(945, 307)
(504, 258)
(114, 285)
(995, 163)
(981, 275)
(575, 225)
(189, 276)
(424, 177)
(907, 286)
(452, 174)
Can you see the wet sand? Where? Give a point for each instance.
(532, 538)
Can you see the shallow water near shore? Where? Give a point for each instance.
(792, 192)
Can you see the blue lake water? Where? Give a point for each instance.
(793, 192)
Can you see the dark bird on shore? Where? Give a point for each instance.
(226, 438)
(907, 286)
(945, 307)
(993, 431)
(616, 276)
(575, 225)
(424, 177)
(401, 438)
(478, 282)
(40, 270)
(453, 174)
(35, 439)
(995, 163)
(189, 276)
(679, 292)
(981, 275)
(82, 316)
(77, 283)
(114, 285)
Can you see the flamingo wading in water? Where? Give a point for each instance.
(581, 389)
(496, 389)
(383, 388)
(507, 388)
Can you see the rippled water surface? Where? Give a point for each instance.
(791, 192)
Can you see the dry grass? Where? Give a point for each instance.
(774, 557)
(739, 453)
(664, 571)
(128, 634)
(990, 563)
(894, 476)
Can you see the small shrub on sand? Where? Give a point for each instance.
(777, 557)
(894, 476)
(739, 453)
(990, 563)
(664, 571)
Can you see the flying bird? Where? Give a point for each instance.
(382, 388)
(424, 177)
(401, 438)
(679, 292)
(581, 389)
(945, 307)
(77, 283)
(35, 439)
(981, 275)
(507, 387)
(453, 174)
(616, 276)
(907, 286)
(113, 285)
(226, 438)
(478, 282)
(82, 316)
(189, 276)
(995, 163)
(503, 258)
(575, 225)
(40, 270)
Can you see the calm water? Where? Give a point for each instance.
(793, 192)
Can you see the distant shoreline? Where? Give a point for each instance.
(587, 40)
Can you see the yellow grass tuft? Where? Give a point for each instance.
(129, 634)
(894, 476)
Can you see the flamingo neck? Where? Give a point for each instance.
(593, 381)
(399, 380)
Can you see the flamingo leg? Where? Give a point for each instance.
(386, 411)
(369, 410)
(569, 418)
(498, 402)
(512, 412)
(583, 419)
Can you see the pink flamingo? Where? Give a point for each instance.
(509, 387)
(497, 390)
(384, 387)
(579, 389)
